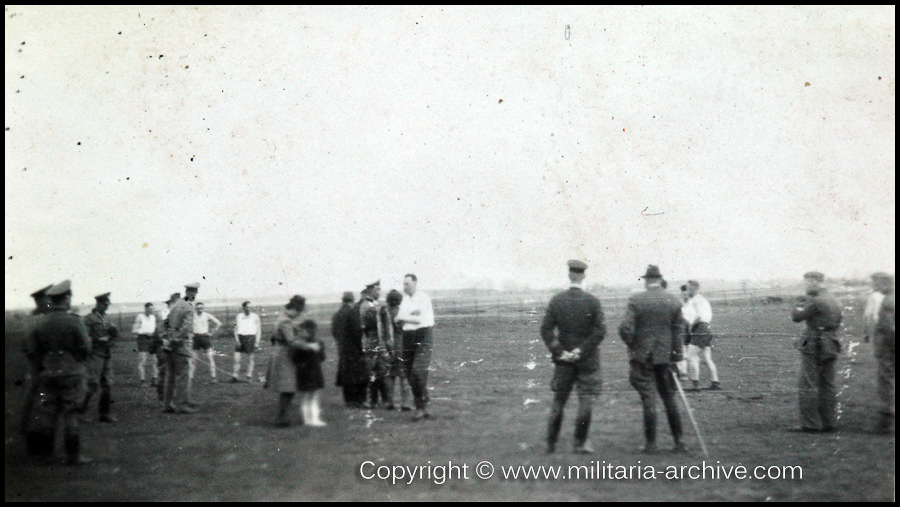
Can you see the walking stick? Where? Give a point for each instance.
(690, 414)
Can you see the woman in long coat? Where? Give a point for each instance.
(352, 375)
(282, 374)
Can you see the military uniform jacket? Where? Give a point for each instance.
(822, 313)
(578, 317)
(101, 331)
(181, 325)
(59, 344)
(653, 327)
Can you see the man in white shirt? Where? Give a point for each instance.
(417, 317)
(144, 329)
(873, 304)
(698, 314)
(203, 341)
(247, 333)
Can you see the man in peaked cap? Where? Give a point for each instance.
(160, 345)
(819, 346)
(653, 330)
(180, 331)
(42, 307)
(578, 319)
(59, 348)
(376, 334)
(41, 301)
(102, 332)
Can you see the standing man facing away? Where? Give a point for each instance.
(247, 333)
(578, 318)
(59, 348)
(144, 329)
(819, 346)
(177, 399)
(42, 307)
(698, 314)
(102, 332)
(884, 331)
(351, 371)
(203, 340)
(417, 316)
(653, 329)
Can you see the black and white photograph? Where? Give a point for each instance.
(449, 253)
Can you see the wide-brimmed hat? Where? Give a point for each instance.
(652, 272)
(297, 302)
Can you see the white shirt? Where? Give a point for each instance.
(144, 324)
(697, 309)
(417, 302)
(247, 325)
(201, 322)
(870, 316)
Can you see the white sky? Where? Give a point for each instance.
(276, 150)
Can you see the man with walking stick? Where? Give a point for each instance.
(653, 330)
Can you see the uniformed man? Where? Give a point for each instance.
(884, 352)
(42, 307)
(180, 331)
(375, 328)
(653, 330)
(819, 346)
(351, 371)
(58, 347)
(162, 328)
(102, 332)
(578, 318)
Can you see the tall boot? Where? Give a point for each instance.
(73, 451)
(105, 403)
(87, 401)
(582, 425)
(554, 424)
(649, 429)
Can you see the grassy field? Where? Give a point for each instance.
(490, 399)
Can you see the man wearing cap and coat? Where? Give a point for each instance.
(177, 397)
(162, 328)
(58, 347)
(42, 307)
(102, 332)
(376, 343)
(819, 346)
(578, 318)
(653, 330)
(351, 371)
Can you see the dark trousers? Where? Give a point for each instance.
(354, 395)
(647, 378)
(818, 392)
(416, 360)
(582, 420)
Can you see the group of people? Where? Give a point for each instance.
(654, 329)
(385, 349)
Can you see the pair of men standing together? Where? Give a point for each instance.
(375, 342)
(653, 331)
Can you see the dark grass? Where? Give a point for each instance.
(487, 405)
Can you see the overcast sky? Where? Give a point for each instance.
(277, 150)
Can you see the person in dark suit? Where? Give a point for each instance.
(578, 318)
(653, 330)
(351, 373)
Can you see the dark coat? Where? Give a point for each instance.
(653, 327)
(347, 332)
(578, 317)
(823, 314)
